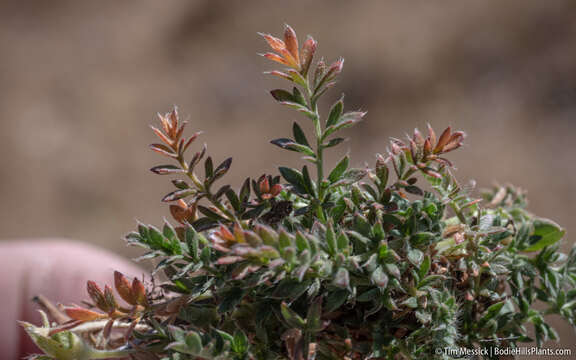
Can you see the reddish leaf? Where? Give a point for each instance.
(291, 42)
(77, 313)
(123, 287)
(139, 293)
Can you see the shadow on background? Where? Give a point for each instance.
(81, 81)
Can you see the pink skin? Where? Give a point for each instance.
(55, 268)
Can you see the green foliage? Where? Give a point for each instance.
(389, 262)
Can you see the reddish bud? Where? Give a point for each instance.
(96, 295)
(139, 293)
(110, 299)
(414, 151)
(427, 147)
(335, 69)
(308, 50)
(264, 186)
(320, 71)
(124, 288)
(418, 138)
(431, 135)
(443, 140)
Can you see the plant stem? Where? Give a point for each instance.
(313, 106)
(203, 189)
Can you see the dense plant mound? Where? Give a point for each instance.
(343, 264)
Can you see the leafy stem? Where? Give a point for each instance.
(205, 190)
(313, 84)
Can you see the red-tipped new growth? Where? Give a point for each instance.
(287, 52)
(424, 150)
(98, 297)
(171, 135)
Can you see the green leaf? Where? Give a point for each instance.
(331, 240)
(225, 336)
(233, 199)
(314, 316)
(492, 311)
(299, 135)
(221, 169)
(291, 317)
(166, 169)
(343, 243)
(345, 121)
(290, 289)
(180, 184)
(289, 144)
(335, 299)
(178, 194)
(335, 112)
(333, 142)
(424, 267)
(411, 302)
(339, 170)
(307, 181)
(208, 168)
(301, 108)
(294, 178)
(414, 190)
(282, 95)
(379, 278)
(546, 233)
(382, 171)
(301, 242)
(298, 97)
(240, 342)
(415, 256)
(193, 342)
(422, 238)
(393, 270)
(192, 241)
(230, 298)
(210, 213)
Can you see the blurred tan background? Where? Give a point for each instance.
(81, 81)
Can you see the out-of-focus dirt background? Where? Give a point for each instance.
(81, 81)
